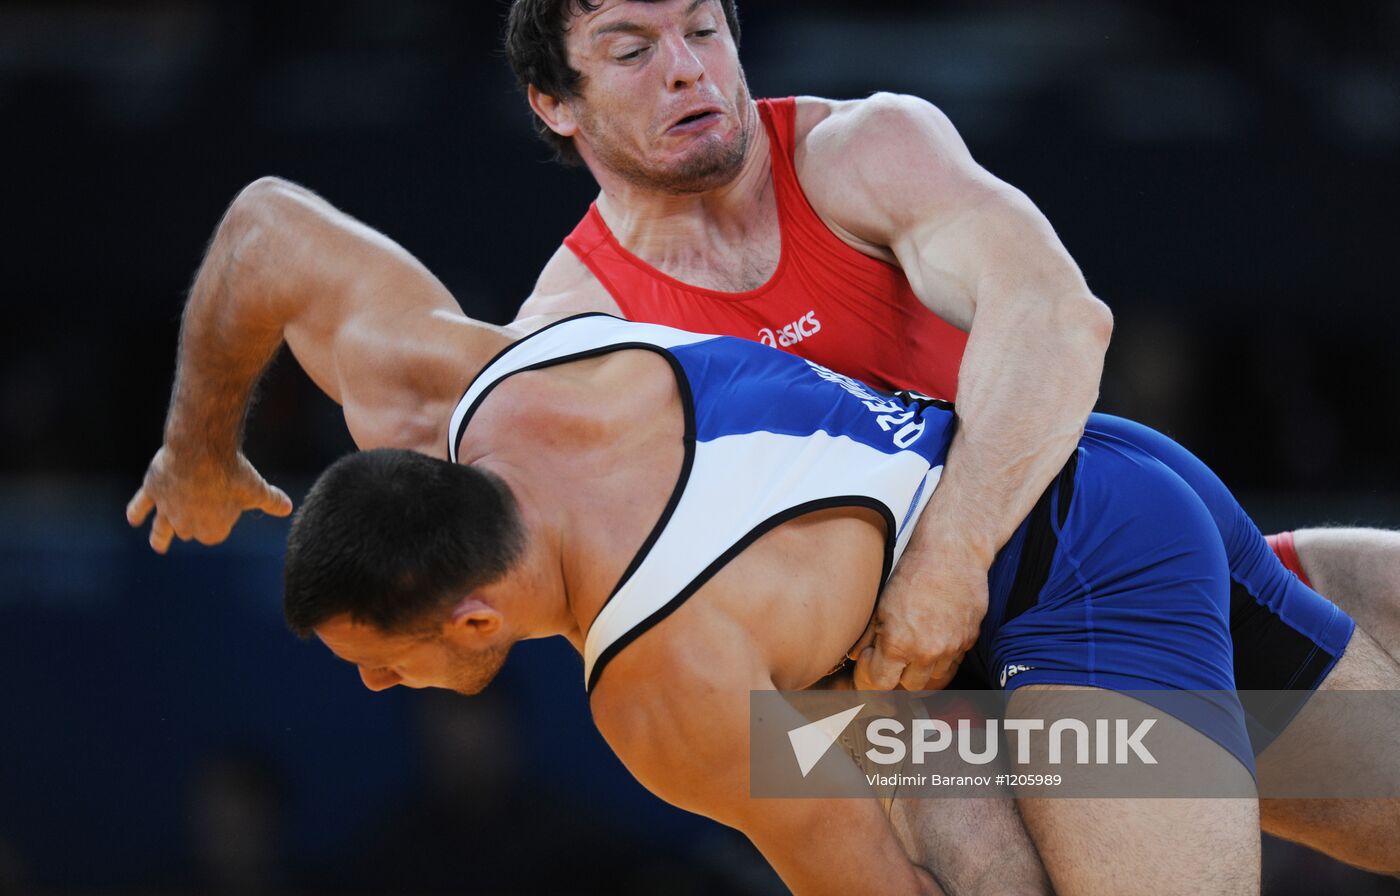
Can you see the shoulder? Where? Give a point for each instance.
(566, 286)
(879, 120)
(870, 166)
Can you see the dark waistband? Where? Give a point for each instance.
(1040, 542)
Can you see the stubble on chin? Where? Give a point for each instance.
(472, 672)
(715, 166)
(712, 165)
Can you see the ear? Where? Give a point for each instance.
(557, 114)
(473, 623)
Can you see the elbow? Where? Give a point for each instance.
(1089, 320)
(1100, 323)
(266, 189)
(253, 239)
(258, 205)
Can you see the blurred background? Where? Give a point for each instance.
(1227, 175)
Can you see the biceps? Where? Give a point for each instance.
(997, 244)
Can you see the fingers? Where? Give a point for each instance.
(915, 677)
(941, 680)
(274, 501)
(139, 507)
(877, 672)
(880, 666)
(161, 534)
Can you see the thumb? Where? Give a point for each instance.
(274, 501)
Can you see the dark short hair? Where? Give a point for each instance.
(537, 53)
(390, 535)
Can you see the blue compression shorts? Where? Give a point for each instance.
(1139, 571)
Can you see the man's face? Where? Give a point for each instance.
(428, 660)
(663, 103)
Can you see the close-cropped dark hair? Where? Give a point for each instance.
(390, 535)
(535, 47)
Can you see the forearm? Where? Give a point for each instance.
(1029, 379)
(363, 318)
(231, 329)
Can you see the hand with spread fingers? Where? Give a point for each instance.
(928, 616)
(200, 499)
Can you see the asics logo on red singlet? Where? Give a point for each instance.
(804, 327)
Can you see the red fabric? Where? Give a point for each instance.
(1282, 545)
(826, 301)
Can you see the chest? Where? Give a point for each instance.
(731, 260)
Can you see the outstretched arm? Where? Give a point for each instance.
(979, 254)
(284, 265)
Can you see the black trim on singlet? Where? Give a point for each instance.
(1038, 549)
(734, 550)
(923, 401)
(687, 438)
(682, 480)
(455, 438)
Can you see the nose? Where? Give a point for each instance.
(379, 679)
(683, 67)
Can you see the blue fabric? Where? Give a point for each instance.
(1139, 588)
(1252, 563)
(741, 386)
(1138, 594)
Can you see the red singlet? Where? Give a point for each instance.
(825, 301)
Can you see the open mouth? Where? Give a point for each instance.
(695, 119)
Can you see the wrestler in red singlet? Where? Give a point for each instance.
(826, 301)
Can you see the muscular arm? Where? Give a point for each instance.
(685, 736)
(354, 308)
(979, 254)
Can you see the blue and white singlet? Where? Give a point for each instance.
(769, 437)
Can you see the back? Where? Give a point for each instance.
(769, 438)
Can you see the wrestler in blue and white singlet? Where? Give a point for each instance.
(1137, 570)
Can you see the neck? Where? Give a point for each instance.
(535, 594)
(650, 222)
